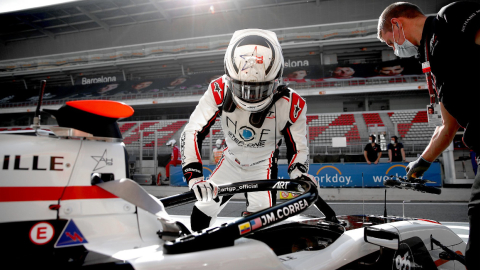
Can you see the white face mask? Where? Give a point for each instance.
(407, 49)
(219, 145)
(392, 141)
(369, 141)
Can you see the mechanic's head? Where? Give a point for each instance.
(396, 27)
(254, 67)
(343, 72)
(218, 143)
(171, 143)
(394, 139)
(371, 138)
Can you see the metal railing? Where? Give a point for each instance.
(183, 93)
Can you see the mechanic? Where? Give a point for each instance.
(217, 152)
(256, 111)
(175, 160)
(447, 45)
(395, 150)
(372, 151)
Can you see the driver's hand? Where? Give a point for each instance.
(306, 176)
(297, 174)
(205, 190)
(415, 169)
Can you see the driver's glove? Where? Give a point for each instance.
(205, 190)
(415, 169)
(297, 174)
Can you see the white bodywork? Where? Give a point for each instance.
(121, 231)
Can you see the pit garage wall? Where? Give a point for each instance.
(336, 175)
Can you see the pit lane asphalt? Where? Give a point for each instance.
(438, 211)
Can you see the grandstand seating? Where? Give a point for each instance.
(412, 126)
(125, 126)
(372, 119)
(323, 127)
(165, 128)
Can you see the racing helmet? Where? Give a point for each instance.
(172, 142)
(218, 143)
(254, 66)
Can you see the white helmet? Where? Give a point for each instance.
(254, 67)
(172, 142)
(218, 143)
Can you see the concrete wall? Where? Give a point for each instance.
(212, 24)
(407, 103)
(324, 105)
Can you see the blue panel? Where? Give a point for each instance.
(337, 175)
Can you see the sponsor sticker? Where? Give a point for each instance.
(256, 223)
(71, 236)
(244, 228)
(281, 185)
(284, 212)
(242, 187)
(41, 233)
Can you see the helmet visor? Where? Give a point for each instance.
(252, 91)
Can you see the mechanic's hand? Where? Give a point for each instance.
(376, 162)
(369, 162)
(205, 190)
(415, 169)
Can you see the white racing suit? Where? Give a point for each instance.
(251, 140)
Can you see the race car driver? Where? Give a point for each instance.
(255, 113)
(447, 45)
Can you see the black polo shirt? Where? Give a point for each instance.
(455, 63)
(396, 151)
(372, 151)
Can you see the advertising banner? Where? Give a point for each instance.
(335, 175)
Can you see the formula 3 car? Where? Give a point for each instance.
(62, 208)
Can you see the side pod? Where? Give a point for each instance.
(381, 238)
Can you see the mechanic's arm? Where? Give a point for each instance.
(442, 137)
(477, 37)
(389, 155)
(378, 157)
(403, 155)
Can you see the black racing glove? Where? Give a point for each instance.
(415, 169)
